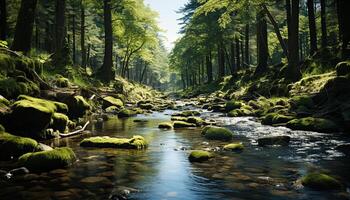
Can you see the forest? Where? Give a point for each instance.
(251, 101)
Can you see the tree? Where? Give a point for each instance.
(82, 33)
(24, 26)
(324, 41)
(312, 26)
(344, 26)
(261, 43)
(3, 20)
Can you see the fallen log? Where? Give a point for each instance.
(63, 135)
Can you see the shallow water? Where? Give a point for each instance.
(164, 172)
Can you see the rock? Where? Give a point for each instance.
(274, 140)
(274, 118)
(200, 156)
(94, 180)
(187, 113)
(218, 108)
(176, 118)
(195, 120)
(59, 122)
(344, 148)
(313, 124)
(111, 101)
(234, 147)
(319, 181)
(48, 160)
(233, 105)
(240, 113)
(146, 106)
(112, 109)
(182, 124)
(343, 68)
(44, 147)
(14, 146)
(124, 113)
(305, 101)
(78, 106)
(62, 82)
(136, 142)
(121, 193)
(165, 125)
(4, 101)
(217, 133)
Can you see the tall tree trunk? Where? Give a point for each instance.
(209, 67)
(221, 59)
(3, 20)
(246, 55)
(106, 72)
(344, 26)
(262, 45)
(293, 69)
(73, 32)
(312, 26)
(24, 26)
(82, 34)
(323, 24)
(238, 54)
(233, 59)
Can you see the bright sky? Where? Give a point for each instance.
(168, 18)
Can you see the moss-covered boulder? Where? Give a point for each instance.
(240, 112)
(112, 109)
(217, 133)
(78, 106)
(301, 101)
(182, 124)
(200, 156)
(147, 106)
(165, 125)
(232, 105)
(195, 120)
(343, 68)
(313, 124)
(234, 147)
(274, 140)
(12, 146)
(275, 118)
(177, 118)
(188, 113)
(136, 142)
(59, 122)
(111, 101)
(11, 87)
(48, 160)
(319, 181)
(62, 82)
(124, 113)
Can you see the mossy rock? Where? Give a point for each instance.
(319, 181)
(4, 101)
(240, 113)
(12, 146)
(62, 82)
(78, 106)
(55, 105)
(274, 118)
(165, 125)
(59, 122)
(343, 68)
(182, 124)
(112, 109)
(313, 124)
(111, 101)
(136, 142)
(232, 105)
(199, 156)
(176, 118)
(305, 101)
(218, 108)
(188, 113)
(14, 86)
(234, 147)
(48, 160)
(274, 140)
(195, 120)
(217, 133)
(124, 113)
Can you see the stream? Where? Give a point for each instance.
(163, 171)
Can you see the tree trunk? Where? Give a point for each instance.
(238, 54)
(3, 20)
(106, 72)
(82, 34)
(246, 55)
(221, 59)
(344, 26)
(24, 26)
(209, 67)
(73, 32)
(323, 24)
(262, 45)
(292, 72)
(233, 58)
(312, 26)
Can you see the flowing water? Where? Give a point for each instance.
(164, 172)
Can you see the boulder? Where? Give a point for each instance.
(59, 122)
(195, 120)
(124, 113)
(62, 82)
(146, 106)
(14, 146)
(182, 124)
(48, 160)
(111, 101)
(318, 181)
(234, 147)
(136, 142)
(313, 124)
(165, 125)
(217, 133)
(112, 109)
(240, 112)
(78, 106)
(232, 105)
(200, 156)
(275, 118)
(187, 113)
(274, 140)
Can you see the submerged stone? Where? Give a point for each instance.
(313, 124)
(165, 125)
(217, 133)
(48, 160)
(136, 142)
(234, 147)
(274, 140)
(200, 156)
(319, 181)
(12, 146)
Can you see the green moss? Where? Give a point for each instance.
(14, 146)
(240, 112)
(305, 101)
(48, 160)
(232, 105)
(111, 101)
(217, 133)
(176, 118)
(343, 68)
(274, 118)
(195, 120)
(136, 142)
(12, 87)
(200, 156)
(313, 124)
(124, 113)
(182, 124)
(146, 106)
(188, 113)
(165, 125)
(112, 109)
(320, 182)
(59, 122)
(78, 106)
(62, 82)
(4, 101)
(57, 106)
(234, 147)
